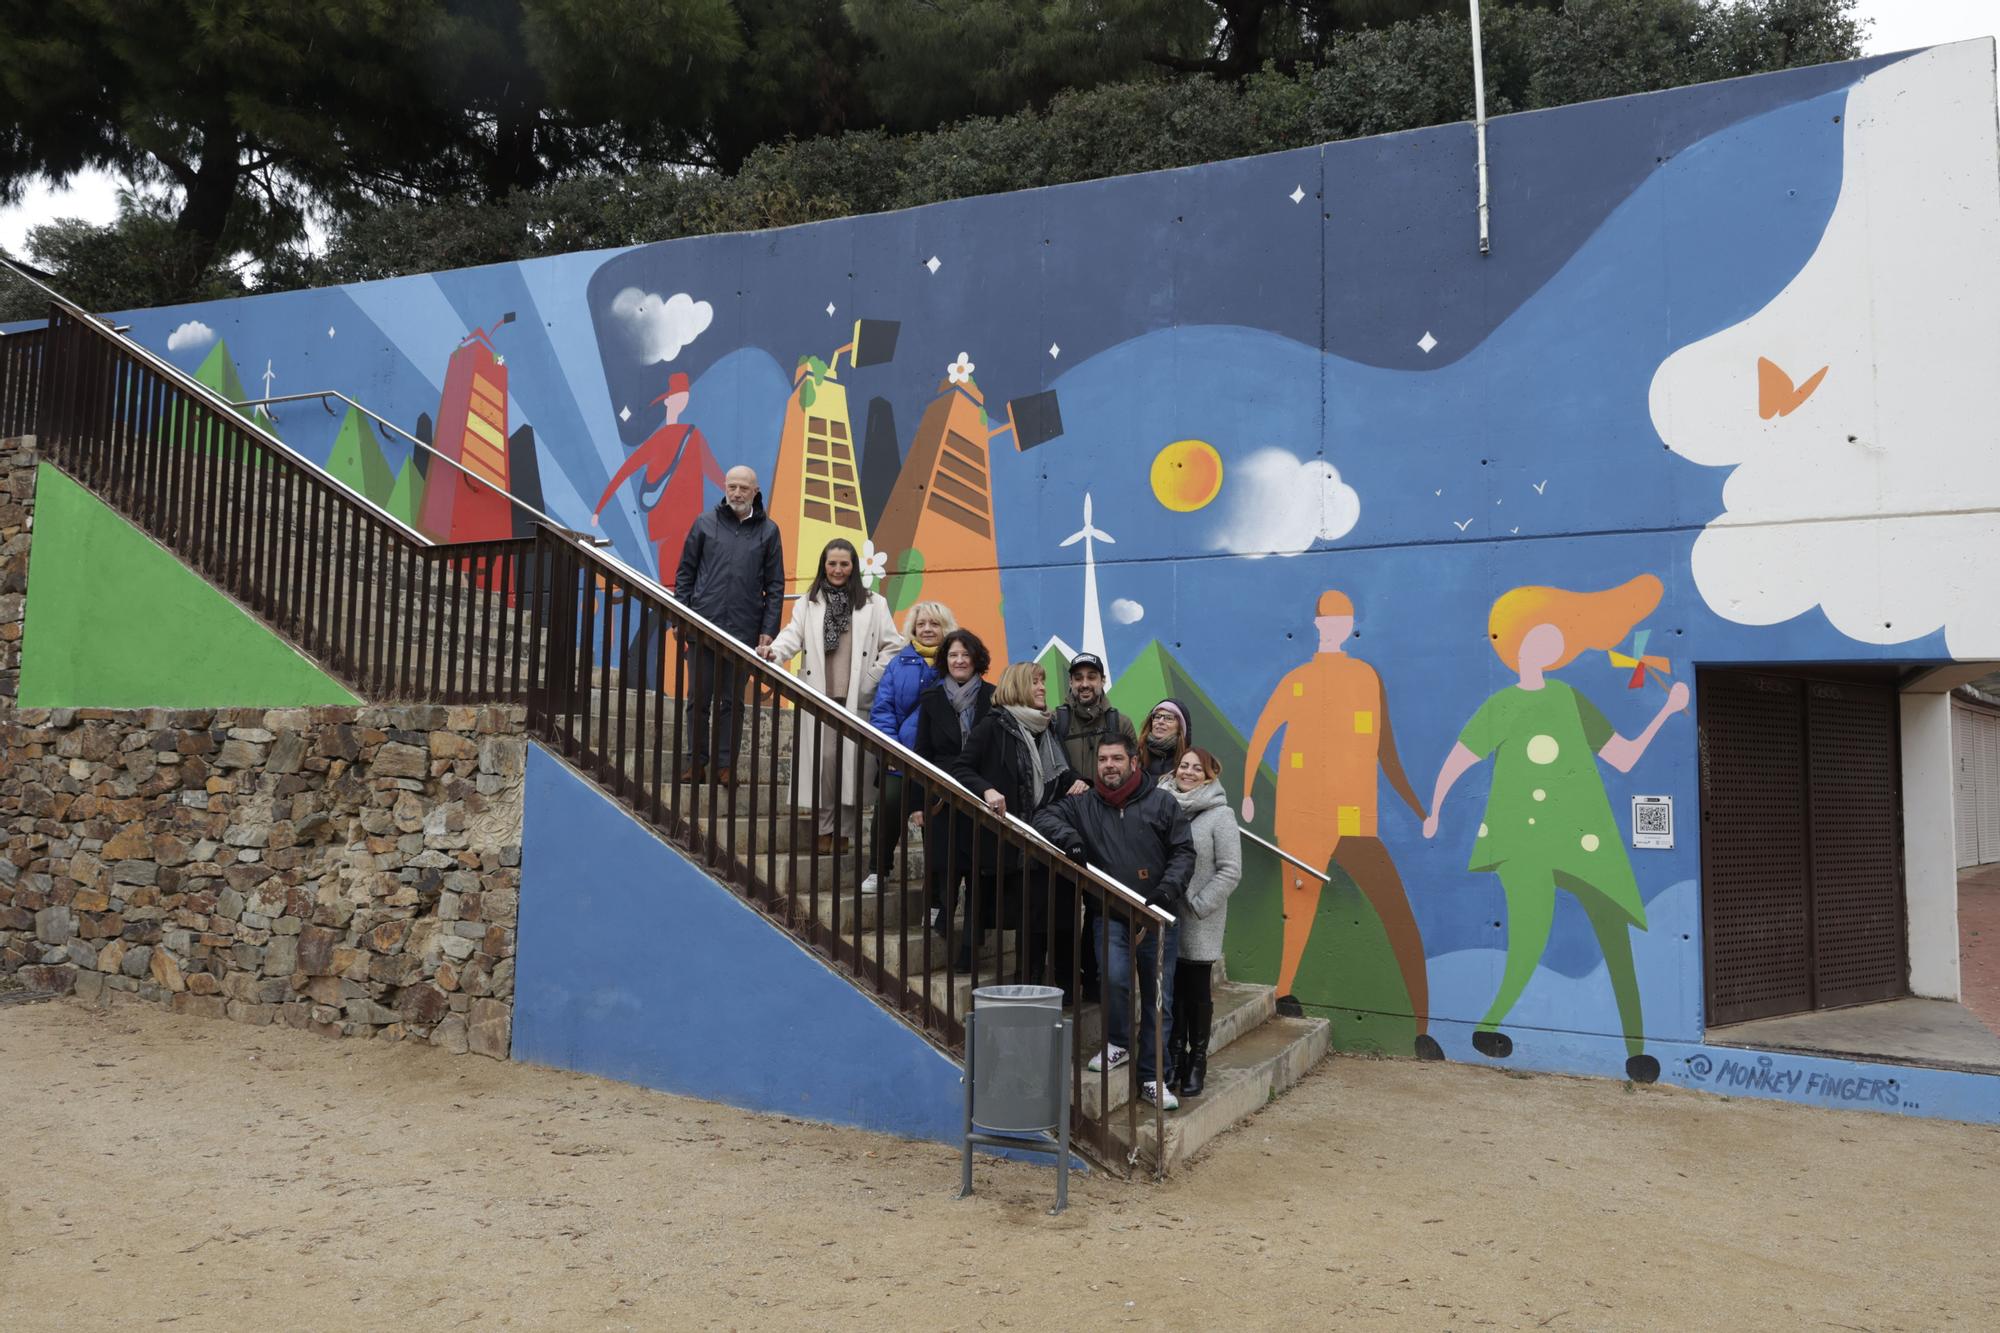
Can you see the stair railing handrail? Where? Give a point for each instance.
(602, 699)
(783, 682)
(321, 395)
(1285, 856)
(189, 384)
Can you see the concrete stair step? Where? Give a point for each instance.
(1242, 1079)
(891, 908)
(1240, 1009)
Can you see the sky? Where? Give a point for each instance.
(1898, 26)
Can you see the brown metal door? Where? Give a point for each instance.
(1755, 885)
(1802, 892)
(1855, 818)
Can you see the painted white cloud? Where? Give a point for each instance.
(1280, 505)
(190, 335)
(1126, 611)
(1870, 497)
(660, 326)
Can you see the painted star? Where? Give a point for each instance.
(1427, 342)
(1298, 194)
(829, 310)
(329, 330)
(1054, 351)
(934, 263)
(624, 414)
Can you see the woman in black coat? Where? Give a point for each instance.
(1014, 763)
(946, 712)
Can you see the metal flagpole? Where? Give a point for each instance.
(1479, 124)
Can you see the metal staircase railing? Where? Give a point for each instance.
(601, 656)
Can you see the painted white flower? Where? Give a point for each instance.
(960, 371)
(874, 565)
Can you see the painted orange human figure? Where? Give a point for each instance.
(677, 459)
(1335, 716)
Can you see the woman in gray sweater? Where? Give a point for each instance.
(1218, 868)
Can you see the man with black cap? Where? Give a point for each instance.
(1086, 718)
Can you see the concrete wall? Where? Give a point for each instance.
(1731, 355)
(636, 965)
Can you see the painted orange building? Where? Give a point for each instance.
(815, 492)
(939, 520)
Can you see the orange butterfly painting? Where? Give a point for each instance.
(1776, 395)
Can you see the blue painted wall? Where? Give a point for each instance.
(1394, 415)
(637, 966)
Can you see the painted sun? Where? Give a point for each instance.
(1187, 474)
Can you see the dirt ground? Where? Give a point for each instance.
(158, 1170)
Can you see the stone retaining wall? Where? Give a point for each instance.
(17, 510)
(353, 871)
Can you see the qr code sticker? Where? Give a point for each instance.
(1652, 819)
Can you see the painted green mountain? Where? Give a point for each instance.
(1348, 972)
(357, 459)
(406, 497)
(218, 372)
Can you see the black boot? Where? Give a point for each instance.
(1195, 1075)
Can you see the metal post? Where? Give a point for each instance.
(965, 1167)
(1062, 1123)
(1479, 126)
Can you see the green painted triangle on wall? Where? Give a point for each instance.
(217, 371)
(1254, 943)
(406, 497)
(357, 458)
(115, 621)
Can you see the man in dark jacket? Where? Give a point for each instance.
(1136, 833)
(1085, 718)
(732, 572)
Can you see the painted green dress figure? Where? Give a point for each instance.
(1548, 823)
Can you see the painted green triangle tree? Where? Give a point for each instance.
(357, 459)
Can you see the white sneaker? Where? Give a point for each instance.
(1153, 1092)
(871, 884)
(1109, 1058)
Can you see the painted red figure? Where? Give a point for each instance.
(676, 459)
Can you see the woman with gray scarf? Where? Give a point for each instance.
(946, 714)
(1013, 763)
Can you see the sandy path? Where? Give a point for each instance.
(158, 1171)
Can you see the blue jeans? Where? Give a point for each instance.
(1153, 980)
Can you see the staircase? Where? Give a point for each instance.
(548, 620)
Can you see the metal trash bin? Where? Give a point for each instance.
(1017, 1076)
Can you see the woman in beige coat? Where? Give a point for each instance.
(847, 636)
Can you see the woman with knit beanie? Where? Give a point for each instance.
(1165, 739)
(894, 713)
(1218, 868)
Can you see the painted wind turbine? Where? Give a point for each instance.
(1093, 618)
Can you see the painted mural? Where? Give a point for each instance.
(1273, 438)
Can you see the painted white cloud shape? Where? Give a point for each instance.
(1126, 611)
(190, 335)
(660, 326)
(1280, 505)
(1868, 496)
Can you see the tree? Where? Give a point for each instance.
(1380, 74)
(243, 113)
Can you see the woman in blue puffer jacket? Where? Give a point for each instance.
(908, 675)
